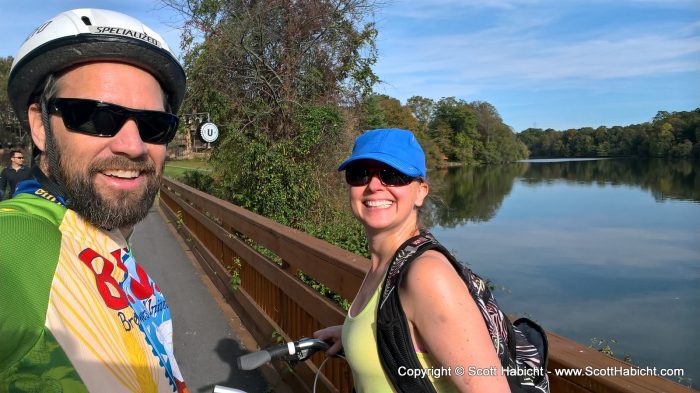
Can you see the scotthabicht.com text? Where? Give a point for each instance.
(619, 371)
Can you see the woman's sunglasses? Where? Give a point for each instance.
(97, 118)
(357, 176)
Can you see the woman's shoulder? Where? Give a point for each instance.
(432, 272)
(432, 291)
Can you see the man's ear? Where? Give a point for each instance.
(36, 126)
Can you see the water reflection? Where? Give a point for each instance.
(605, 248)
(470, 194)
(474, 194)
(665, 179)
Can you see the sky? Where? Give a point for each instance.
(542, 63)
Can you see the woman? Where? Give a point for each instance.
(387, 185)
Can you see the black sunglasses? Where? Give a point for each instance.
(97, 118)
(357, 176)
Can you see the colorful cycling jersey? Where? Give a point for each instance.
(77, 313)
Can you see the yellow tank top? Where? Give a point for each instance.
(360, 345)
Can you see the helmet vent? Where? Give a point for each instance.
(86, 20)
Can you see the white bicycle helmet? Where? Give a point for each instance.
(85, 35)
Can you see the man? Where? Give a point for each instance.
(13, 173)
(98, 92)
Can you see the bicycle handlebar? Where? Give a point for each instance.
(298, 350)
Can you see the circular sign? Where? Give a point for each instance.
(209, 132)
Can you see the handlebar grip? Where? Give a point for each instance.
(298, 350)
(253, 360)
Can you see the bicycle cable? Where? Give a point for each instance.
(318, 372)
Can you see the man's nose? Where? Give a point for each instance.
(128, 141)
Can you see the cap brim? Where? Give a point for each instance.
(408, 170)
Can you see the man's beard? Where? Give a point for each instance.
(123, 209)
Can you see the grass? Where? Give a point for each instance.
(176, 169)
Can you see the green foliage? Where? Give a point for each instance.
(277, 337)
(373, 114)
(200, 180)
(454, 126)
(180, 222)
(668, 135)
(279, 179)
(277, 76)
(5, 65)
(253, 64)
(342, 230)
(325, 291)
(235, 272)
(422, 109)
(7, 116)
(604, 345)
(449, 129)
(267, 253)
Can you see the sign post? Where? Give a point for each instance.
(209, 133)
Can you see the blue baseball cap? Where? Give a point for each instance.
(392, 146)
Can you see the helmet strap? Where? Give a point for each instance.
(51, 154)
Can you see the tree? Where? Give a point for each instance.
(5, 64)
(455, 117)
(278, 76)
(8, 120)
(487, 119)
(397, 115)
(668, 134)
(372, 114)
(266, 59)
(422, 109)
(661, 140)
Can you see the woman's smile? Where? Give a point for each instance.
(378, 204)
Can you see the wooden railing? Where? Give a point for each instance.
(272, 301)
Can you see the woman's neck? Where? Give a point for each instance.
(383, 244)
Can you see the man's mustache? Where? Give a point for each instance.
(145, 165)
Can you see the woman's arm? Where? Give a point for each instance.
(446, 320)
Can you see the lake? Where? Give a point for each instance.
(605, 248)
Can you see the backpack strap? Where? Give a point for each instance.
(393, 332)
(513, 344)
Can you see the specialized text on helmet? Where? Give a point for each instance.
(124, 32)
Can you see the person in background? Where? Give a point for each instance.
(387, 184)
(13, 174)
(98, 92)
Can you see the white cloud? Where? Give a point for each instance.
(440, 9)
(522, 51)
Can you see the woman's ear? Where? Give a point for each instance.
(423, 189)
(36, 126)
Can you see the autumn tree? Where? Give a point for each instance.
(422, 109)
(6, 115)
(668, 134)
(278, 77)
(454, 127)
